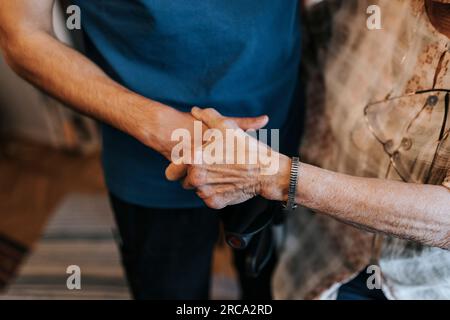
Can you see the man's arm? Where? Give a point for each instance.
(32, 50)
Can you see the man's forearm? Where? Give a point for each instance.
(409, 211)
(78, 82)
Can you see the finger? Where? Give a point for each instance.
(175, 172)
(223, 200)
(214, 203)
(251, 123)
(212, 118)
(223, 193)
(209, 116)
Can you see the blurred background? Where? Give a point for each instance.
(54, 209)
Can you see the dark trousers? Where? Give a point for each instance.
(167, 253)
(357, 289)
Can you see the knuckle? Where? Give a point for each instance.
(197, 179)
(194, 182)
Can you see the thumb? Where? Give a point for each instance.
(251, 123)
(175, 172)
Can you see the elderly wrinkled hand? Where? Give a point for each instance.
(231, 166)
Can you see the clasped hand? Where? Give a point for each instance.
(231, 166)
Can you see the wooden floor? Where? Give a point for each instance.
(33, 181)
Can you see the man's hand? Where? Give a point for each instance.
(171, 120)
(228, 182)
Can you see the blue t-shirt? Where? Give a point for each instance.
(238, 56)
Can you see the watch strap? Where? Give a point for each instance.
(290, 205)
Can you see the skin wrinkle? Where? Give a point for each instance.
(382, 217)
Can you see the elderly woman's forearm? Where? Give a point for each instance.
(409, 211)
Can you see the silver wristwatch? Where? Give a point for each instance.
(290, 205)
